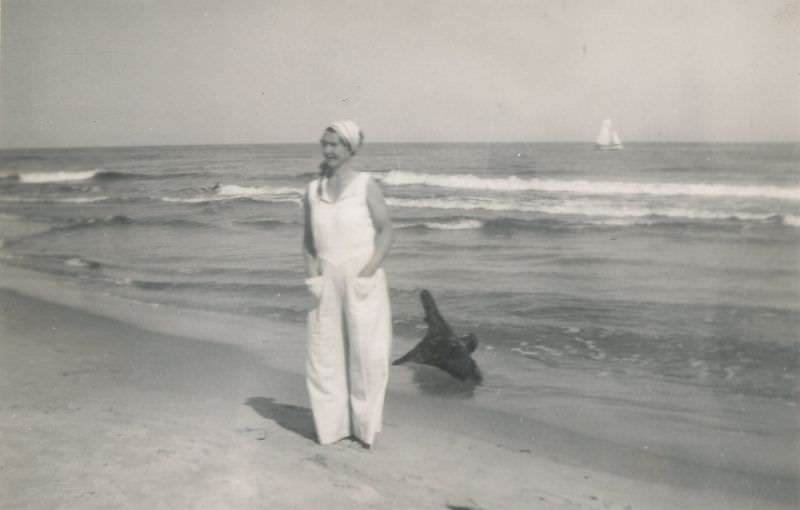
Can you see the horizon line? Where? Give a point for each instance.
(427, 142)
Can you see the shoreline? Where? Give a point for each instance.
(92, 375)
(382, 143)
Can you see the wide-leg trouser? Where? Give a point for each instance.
(349, 341)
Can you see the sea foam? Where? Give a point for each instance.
(63, 176)
(235, 191)
(514, 183)
(589, 210)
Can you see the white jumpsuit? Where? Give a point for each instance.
(350, 330)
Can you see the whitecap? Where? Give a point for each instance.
(61, 176)
(610, 214)
(251, 191)
(514, 183)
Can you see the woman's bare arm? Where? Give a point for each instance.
(309, 250)
(384, 233)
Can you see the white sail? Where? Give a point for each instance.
(607, 138)
(604, 136)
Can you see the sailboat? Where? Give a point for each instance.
(608, 139)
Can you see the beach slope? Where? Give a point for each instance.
(97, 413)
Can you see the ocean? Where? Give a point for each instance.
(667, 262)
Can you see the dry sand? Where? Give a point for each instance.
(97, 413)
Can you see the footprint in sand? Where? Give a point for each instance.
(360, 492)
(469, 504)
(259, 434)
(319, 459)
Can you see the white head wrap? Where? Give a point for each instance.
(349, 132)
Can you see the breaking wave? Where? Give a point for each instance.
(85, 175)
(234, 191)
(45, 177)
(589, 210)
(445, 224)
(514, 183)
(57, 200)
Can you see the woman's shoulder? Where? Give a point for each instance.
(312, 190)
(366, 179)
(370, 181)
(371, 189)
(313, 184)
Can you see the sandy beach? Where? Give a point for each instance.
(605, 195)
(98, 413)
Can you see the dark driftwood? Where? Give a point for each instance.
(442, 348)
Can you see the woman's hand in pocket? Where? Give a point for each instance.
(364, 285)
(367, 272)
(315, 285)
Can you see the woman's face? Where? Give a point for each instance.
(334, 150)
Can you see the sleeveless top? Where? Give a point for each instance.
(342, 228)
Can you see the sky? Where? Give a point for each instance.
(156, 72)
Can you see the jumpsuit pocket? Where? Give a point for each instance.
(315, 285)
(364, 285)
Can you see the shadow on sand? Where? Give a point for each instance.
(294, 418)
(433, 381)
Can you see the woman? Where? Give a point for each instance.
(347, 235)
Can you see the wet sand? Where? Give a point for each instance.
(99, 413)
